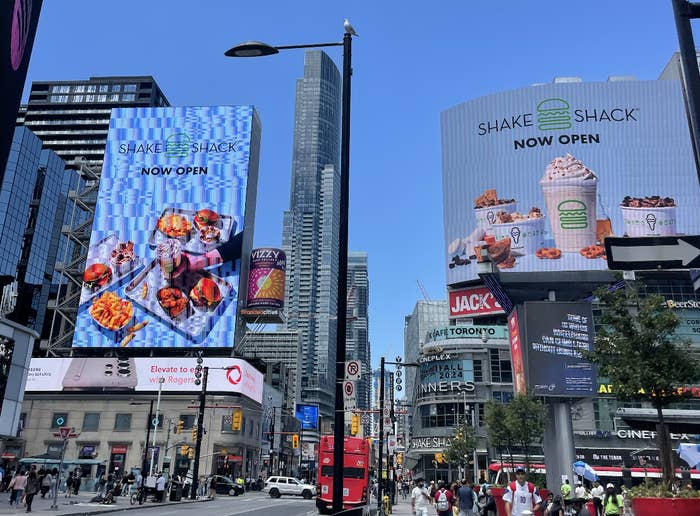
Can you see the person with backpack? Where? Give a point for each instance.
(443, 500)
(465, 497)
(521, 495)
(612, 503)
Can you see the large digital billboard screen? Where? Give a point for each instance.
(556, 334)
(307, 415)
(165, 256)
(125, 374)
(539, 176)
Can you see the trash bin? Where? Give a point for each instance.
(186, 490)
(176, 492)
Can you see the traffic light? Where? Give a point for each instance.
(237, 420)
(399, 458)
(440, 458)
(194, 433)
(355, 424)
(190, 454)
(184, 449)
(295, 441)
(178, 427)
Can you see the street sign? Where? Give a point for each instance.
(64, 431)
(353, 370)
(349, 395)
(651, 253)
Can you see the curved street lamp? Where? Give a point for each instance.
(259, 49)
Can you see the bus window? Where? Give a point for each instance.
(327, 471)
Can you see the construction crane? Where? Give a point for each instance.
(423, 290)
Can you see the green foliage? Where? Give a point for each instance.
(651, 489)
(637, 349)
(498, 432)
(463, 443)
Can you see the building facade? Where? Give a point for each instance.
(32, 202)
(357, 335)
(311, 229)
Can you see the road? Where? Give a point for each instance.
(247, 505)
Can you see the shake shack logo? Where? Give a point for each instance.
(557, 114)
(179, 145)
(572, 214)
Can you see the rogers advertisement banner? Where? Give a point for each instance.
(539, 176)
(470, 302)
(142, 374)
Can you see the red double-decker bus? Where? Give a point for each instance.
(356, 466)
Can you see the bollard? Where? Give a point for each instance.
(387, 505)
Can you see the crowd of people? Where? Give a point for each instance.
(457, 499)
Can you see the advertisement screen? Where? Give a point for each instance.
(266, 278)
(7, 348)
(142, 374)
(447, 370)
(555, 335)
(307, 416)
(164, 262)
(538, 177)
(516, 353)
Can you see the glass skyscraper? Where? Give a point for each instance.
(357, 335)
(32, 200)
(311, 229)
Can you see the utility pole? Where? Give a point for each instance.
(154, 422)
(381, 435)
(200, 427)
(144, 464)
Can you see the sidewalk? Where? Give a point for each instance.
(403, 508)
(79, 505)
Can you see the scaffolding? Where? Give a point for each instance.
(76, 230)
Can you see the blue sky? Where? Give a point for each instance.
(411, 61)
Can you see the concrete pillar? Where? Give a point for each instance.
(558, 444)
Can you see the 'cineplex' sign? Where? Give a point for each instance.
(461, 332)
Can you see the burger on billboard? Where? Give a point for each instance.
(168, 242)
(266, 278)
(538, 177)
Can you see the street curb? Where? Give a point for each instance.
(130, 507)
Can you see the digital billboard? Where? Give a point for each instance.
(307, 415)
(538, 177)
(171, 238)
(267, 278)
(113, 374)
(473, 302)
(556, 333)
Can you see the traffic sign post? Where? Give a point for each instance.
(65, 433)
(353, 370)
(653, 253)
(349, 395)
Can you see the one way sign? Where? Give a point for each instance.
(651, 253)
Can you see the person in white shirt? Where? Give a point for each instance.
(160, 487)
(521, 495)
(420, 499)
(597, 493)
(580, 491)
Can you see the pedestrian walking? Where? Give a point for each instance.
(76, 481)
(17, 486)
(612, 503)
(558, 506)
(69, 485)
(46, 480)
(443, 500)
(160, 487)
(489, 508)
(54, 483)
(521, 495)
(212, 487)
(580, 491)
(565, 490)
(420, 499)
(597, 493)
(31, 490)
(465, 499)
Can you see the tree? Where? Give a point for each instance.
(526, 417)
(498, 432)
(462, 445)
(637, 349)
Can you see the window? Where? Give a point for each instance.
(60, 89)
(104, 88)
(116, 87)
(79, 89)
(91, 421)
(327, 471)
(478, 371)
(129, 87)
(129, 97)
(502, 396)
(89, 98)
(500, 366)
(78, 98)
(59, 419)
(102, 98)
(91, 88)
(122, 422)
(114, 97)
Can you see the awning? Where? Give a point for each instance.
(6, 455)
(41, 460)
(234, 458)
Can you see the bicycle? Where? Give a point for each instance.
(138, 496)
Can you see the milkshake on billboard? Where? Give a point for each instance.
(535, 179)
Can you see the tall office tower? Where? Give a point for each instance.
(32, 199)
(311, 230)
(72, 118)
(357, 337)
(426, 316)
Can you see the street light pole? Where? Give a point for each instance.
(200, 427)
(155, 422)
(381, 434)
(148, 438)
(256, 49)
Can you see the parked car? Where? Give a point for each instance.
(227, 486)
(278, 486)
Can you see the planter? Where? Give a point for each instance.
(665, 506)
